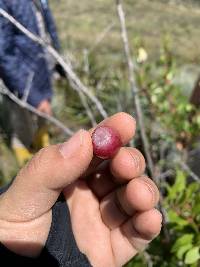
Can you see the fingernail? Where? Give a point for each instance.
(72, 146)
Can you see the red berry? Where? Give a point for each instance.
(106, 142)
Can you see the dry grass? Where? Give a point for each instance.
(81, 22)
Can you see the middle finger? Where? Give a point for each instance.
(127, 164)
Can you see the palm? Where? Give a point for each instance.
(106, 233)
(92, 235)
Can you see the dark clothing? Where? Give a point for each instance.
(60, 249)
(22, 58)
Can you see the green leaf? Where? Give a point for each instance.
(169, 75)
(196, 208)
(192, 255)
(188, 107)
(192, 189)
(174, 218)
(154, 99)
(182, 250)
(179, 185)
(181, 241)
(194, 264)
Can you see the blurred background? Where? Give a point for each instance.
(164, 40)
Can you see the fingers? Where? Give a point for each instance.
(127, 164)
(124, 124)
(147, 224)
(101, 183)
(134, 235)
(38, 185)
(140, 194)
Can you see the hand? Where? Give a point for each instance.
(112, 207)
(45, 107)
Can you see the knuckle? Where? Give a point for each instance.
(152, 187)
(36, 163)
(138, 159)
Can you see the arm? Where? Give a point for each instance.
(9, 60)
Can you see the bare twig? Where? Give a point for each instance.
(27, 106)
(138, 108)
(102, 36)
(87, 108)
(78, 85)
(101, 80)
(148, 259)
(134, 88)
(187, 169)
(28, 86)
(82, 97)
(165, 174)
(86, 67)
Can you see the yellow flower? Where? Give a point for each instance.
(142, 55)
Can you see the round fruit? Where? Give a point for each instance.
(106, 142)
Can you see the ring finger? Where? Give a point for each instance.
(127, 164)
(140, 194)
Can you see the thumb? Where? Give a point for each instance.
(39, 183)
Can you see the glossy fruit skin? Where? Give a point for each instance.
(106, 142)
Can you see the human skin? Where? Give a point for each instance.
(112, 206)
(45, 107)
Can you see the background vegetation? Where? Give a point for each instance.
(169, 32)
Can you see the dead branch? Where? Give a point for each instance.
(148, 259)
(138, 108)
(187, 169)
(24, 104)
(86, 106)
(87, 109)
(134, 88)
(28, 86)
(165, 175)
(102, 36)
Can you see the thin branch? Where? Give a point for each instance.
(78, 85)
(27, 106)
(28, 86)
(148, 259)
(102, 36)
(187, 169)
(134, 88)
(138, 108)
(87, 108)
(86, 67)
(82, 97)
(99, 85)
(165, 175)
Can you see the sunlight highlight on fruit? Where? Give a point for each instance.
(106, 142)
